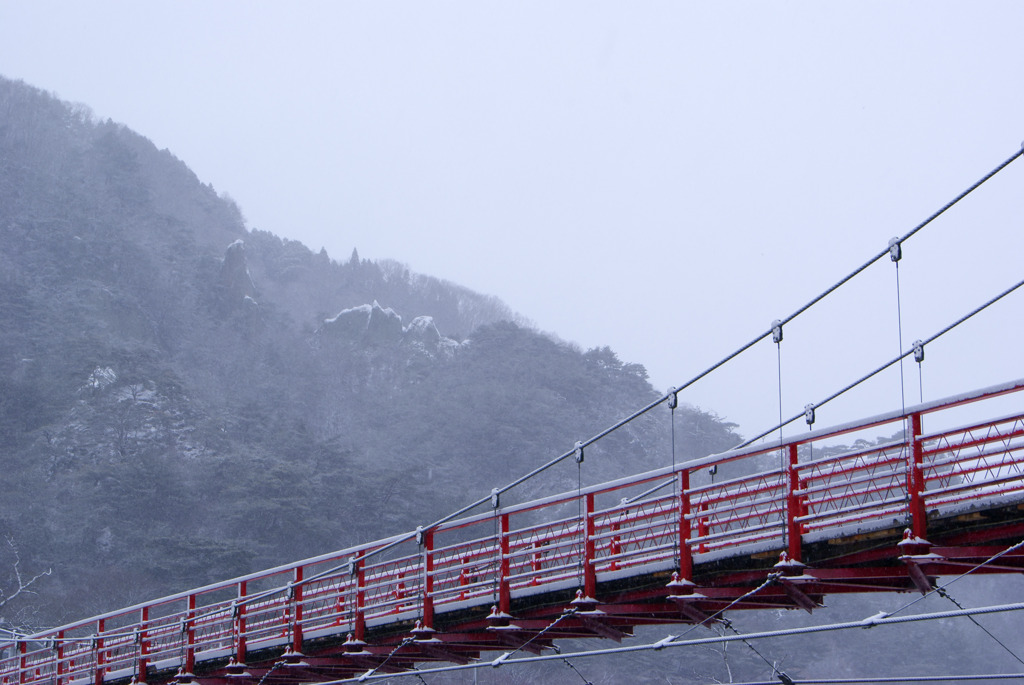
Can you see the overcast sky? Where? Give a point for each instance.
(665, 178)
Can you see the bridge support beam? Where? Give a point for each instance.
(681, 593)
(916, 551)
(791, 575)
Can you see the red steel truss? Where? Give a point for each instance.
(668, 546)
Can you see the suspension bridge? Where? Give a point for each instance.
(774, 523)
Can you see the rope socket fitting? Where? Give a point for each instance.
(895, 250)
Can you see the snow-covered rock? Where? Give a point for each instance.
(378, 327)
(100, 378)
(423, 329)
(235, 282)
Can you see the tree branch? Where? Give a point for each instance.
(22, 584)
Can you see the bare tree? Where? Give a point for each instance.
(21, 585)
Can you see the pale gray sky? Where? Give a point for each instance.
(662, 177)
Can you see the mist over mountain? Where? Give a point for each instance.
(185, 399)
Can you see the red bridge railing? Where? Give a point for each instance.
(780, 497)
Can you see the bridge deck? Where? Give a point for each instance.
(667, 546)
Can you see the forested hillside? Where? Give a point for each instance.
(184, 399)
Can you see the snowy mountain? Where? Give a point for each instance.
(185, 399)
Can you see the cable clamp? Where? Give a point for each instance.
(578, 456)
(777, 331)
(895, 249)
(872, 621)
(918, 351)
(673, 398)
(809, 414)
(668, 639)
(495, 498)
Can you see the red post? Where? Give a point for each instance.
(504, 589)
(793, 506)
(190, 637)
(685, 531)
(296, 599)
(23, 661)
(428, 578)
(99, 657)
(360, 627)
(143, 638)
(61, 668)
(915, 484)
(240, 627)
(589, 571)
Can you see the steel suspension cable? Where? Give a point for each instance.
(899, 326)
(775, 671)
(825, 293)
(404, 538)
(772, 577)
(362, 556)
(782, 444)
(709, 370)
(507, 655)
(577, 672)
(882, 618)
(942, 592)
(886, 365)
(919, 344)
(894, 244)
(891, 679)
(673, 641)
(400, 645)
(994, 557)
